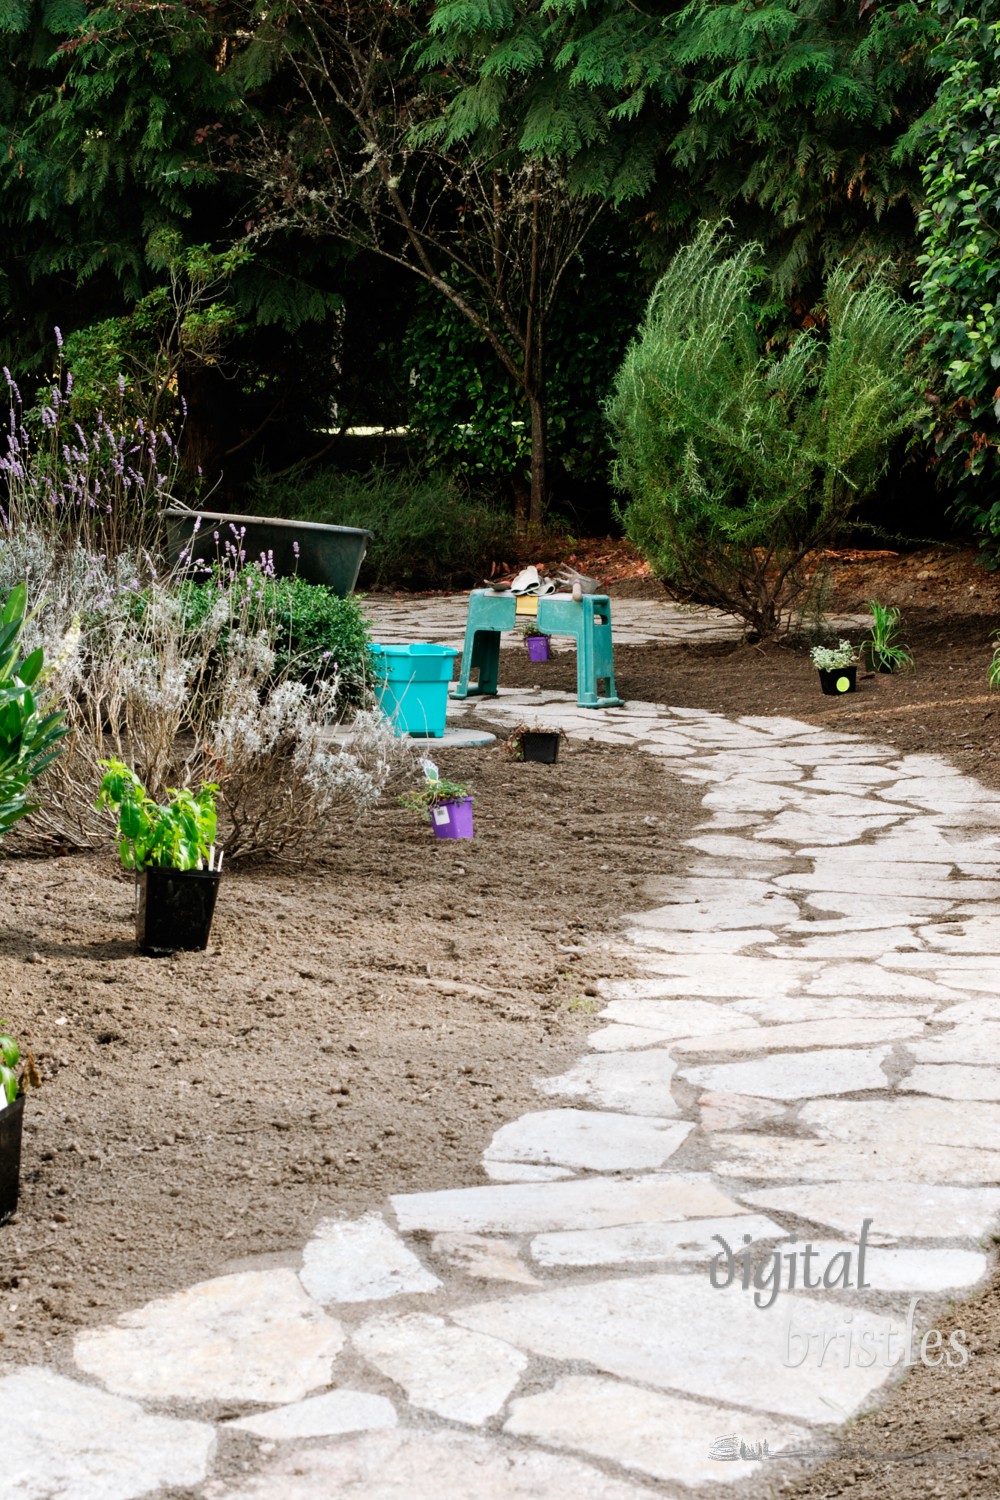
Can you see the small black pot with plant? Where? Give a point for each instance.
(15, 1070)
(837, 667)
(172, 850)
(534, 742)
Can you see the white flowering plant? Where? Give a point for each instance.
(833, 658)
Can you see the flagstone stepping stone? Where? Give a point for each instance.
(979, 1044)
(626, 1038)
(953, 1081)
(783, 1158)
(361, 1260)
(663, 1436)
(786, 1009)
(736, 1111)
(737, 848)
(803, 1034)
(254, 1336)
(675, 943)
(675, 1017)
(463, 1376)
(409, 1465)
(719, 975)
(636, 1083)
(907, 1210)
(635, 1243)
(328, 1415)
(711, 914)
(893, 1270)
(518, 1171)
(902, 1123)
(818, 827)
(678, 1332)
(838, 980)
(876, 943)
(796, 1075)
(68, 1440)
(591, 1203)
(598, 1140)
(904, 888)
(484, 1258)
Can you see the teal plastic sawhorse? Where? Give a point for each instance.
(587, 620)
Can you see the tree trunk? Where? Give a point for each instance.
(536, 513)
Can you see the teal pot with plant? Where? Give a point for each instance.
(11, 1122)
(172, 850)
(837, 667)
(331, 555)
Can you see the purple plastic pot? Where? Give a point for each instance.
(538, 647)
(452, 820)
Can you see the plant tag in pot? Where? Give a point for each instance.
(440, 814)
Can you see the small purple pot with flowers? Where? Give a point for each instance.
(538, 647)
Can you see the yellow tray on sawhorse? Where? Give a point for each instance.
(587, 620)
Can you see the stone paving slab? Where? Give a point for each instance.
(62, 1440)
(429, 1466)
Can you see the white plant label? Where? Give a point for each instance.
(441, 815)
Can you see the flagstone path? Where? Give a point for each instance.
(812, 1040)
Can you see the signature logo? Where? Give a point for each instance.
(729, 1450)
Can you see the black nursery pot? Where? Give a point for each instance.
(832, 682)
(174, 909)
(11, 1118)
(540, 747)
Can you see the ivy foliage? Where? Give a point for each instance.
(737, 463)
(960, 266)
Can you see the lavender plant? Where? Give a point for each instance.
(100, 488)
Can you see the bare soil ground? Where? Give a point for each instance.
(354, 1030)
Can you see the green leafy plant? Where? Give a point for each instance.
(529, 630)
(994, 672)
(430, 531)
(739, 463)
(885, 654)
(28, 738)
(313, 633)
(959, 144)
(178, 835)
(434, 793)
(16, 1067)
(833, 658)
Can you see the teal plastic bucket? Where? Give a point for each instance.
(411, 685)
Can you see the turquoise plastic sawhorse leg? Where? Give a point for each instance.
(588, 621)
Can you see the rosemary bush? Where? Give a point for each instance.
(738, 463)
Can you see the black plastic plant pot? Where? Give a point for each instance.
(540, 747)
(840, 680)
(11, 1118)
(174, 909)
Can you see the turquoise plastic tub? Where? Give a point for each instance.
(411, 685)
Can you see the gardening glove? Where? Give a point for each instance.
(577, 583)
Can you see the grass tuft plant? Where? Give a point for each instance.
(884, 653)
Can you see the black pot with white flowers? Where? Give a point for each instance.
(837, 667)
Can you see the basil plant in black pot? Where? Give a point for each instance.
(14, 1070)
(172, 849)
